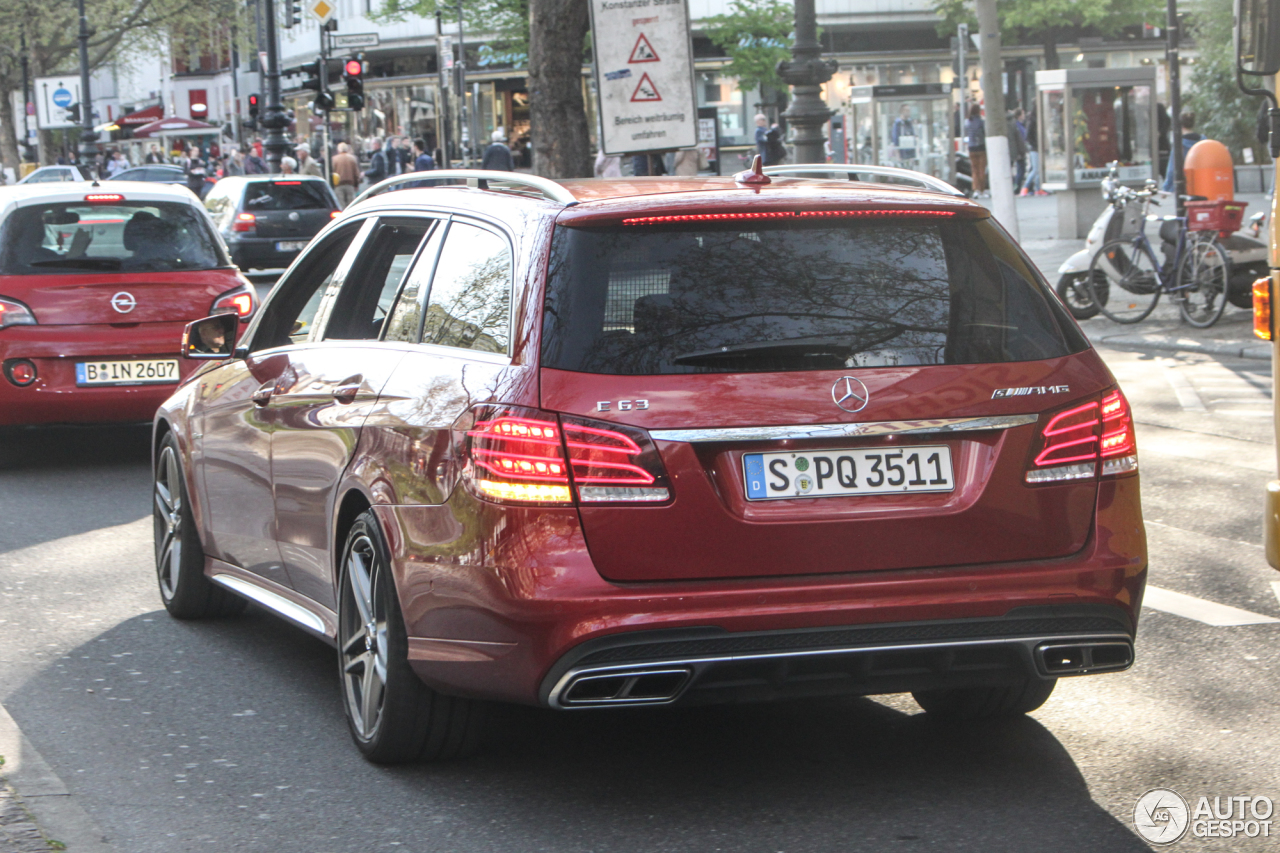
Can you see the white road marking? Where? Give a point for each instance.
(1182, 388)
(1208, 612)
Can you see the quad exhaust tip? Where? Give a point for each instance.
(647, 687)
(1086, 657)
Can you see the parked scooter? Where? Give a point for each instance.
(1248, 256)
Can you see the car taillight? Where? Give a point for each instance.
(244, 222)
(1262, 308)
(1074, 441)
(14, 313)
(519, 455)
(240, 302)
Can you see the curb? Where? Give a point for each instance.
(1170, 343)
(45, 796)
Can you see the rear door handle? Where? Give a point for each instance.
(262, 396)
(346, 393)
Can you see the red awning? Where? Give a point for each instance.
(175, 127)
(146, 116)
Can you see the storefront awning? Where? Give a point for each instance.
(176, 127)
(141, 117)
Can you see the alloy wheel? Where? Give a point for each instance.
(168, 522)
(363, 636)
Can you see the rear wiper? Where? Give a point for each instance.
(81, 263)
(815, 347)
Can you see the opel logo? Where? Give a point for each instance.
(124, 302)
(850, 394)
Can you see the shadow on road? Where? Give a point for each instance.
(243, 714)
(72, 468)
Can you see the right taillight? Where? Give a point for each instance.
(1075, 441)
(519, 455)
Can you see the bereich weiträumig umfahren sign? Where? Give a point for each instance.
(644, 74)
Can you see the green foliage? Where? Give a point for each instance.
(1222, 111)
(1033, 20)
(506, 22)
(756, 34)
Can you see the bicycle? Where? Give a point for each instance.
(1126, 279)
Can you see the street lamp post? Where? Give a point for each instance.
(88, 137)
(273, 114)
(806, 71)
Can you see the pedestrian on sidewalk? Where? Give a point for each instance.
(497, 157)
(377, 170)
(1018, 147)
(308, 165)
(1032, 184)
(976, 132)
(346, 174)
(1189, 138)
(422, 161)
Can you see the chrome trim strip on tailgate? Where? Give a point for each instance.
(773, 433)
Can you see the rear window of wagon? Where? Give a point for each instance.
(781, 296)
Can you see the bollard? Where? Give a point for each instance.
(1210, 172)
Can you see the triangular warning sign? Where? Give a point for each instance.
(645, 91)
(643, 51)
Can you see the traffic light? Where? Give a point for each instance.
(292, 14)
(353, 73)
(73, 113)
(252, 123)
(316, 78)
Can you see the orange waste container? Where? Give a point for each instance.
(1210, 172)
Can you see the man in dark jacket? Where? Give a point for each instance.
(497, 157)
(377, 170)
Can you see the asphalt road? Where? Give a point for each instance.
(229, 736)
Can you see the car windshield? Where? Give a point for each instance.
(124, 236)
(776, 296)
(286, 195)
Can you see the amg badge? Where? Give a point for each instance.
(1034, 389)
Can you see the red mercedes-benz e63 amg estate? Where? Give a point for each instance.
(96, 285)
(594, 444)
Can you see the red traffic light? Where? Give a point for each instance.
(353, 68)
(253, 100)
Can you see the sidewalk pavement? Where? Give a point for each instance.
(1230, 337)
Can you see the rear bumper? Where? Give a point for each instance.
(55, 398)
(261, 252)
(705, 666)
(508, 616)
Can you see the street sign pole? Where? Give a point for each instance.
(324, 114)
(88, 138)
(442, 69)
(273, 116)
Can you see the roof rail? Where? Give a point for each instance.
(928, 182)
(474, 178)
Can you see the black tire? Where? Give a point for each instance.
(1204, 279)
(1132, 280)
(974, 703)
(394, 719)
(184, 589)
(1078, 297)
(1240, 294)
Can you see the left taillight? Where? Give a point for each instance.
(1076, 441)
(519, 455)
(14, 313)
(244, 222)
(240, 302)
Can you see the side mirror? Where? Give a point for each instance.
(212, 337)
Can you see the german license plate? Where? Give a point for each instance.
(150, 371)
(291, 245)
(839, 473)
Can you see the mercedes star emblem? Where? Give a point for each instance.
(850, 394)
(294, 216)
(124, 302)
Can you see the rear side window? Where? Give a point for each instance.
(285, 195)
(144, 236)
(470, 302)
(757, 296)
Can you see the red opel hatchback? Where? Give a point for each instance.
(95, 287)
(640, 442)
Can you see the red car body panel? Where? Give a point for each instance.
(495, 596)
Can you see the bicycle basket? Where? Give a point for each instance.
(1215, 215)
